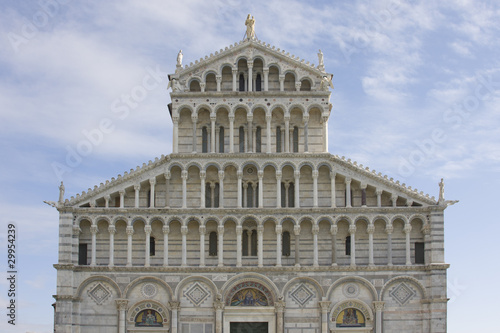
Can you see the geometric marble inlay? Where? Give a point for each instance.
(99, 293)
(402, 293)
(350, 290)
(149, 290)
(196, 294)
(302, 294)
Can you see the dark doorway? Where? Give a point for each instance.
(249, 327)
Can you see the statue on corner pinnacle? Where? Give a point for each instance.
(250, 23)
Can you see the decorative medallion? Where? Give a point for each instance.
(402, 293)
(149, 290)
(350, 290)
(196, 294)
(302, 294)
(99, 293)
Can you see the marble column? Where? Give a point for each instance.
(235, 80)
(333, 202)
(137, 188)
(282, 82)
(184, 176)
(112, 231)
(219, 309)
(279, 231)
(260, 245)
(203, 176)
(296, 232)
(279, 308)
(298, 84)
(379, 307)
(348, 192)
(250, 131)
(221, 189)
(121, 305)
(175, 133)
(407, 231)
(231, 133)
(260, 174)
(122, 198)
(218, 78)
(152, 183)
(202, 86)
(325, 305)
(389, 229)
(266, 78)
(254, 196)
(333, 232)
(352, 231)
(240, 176)
(245, 195)
(287, 133)
(306, 133)
(184, 232)
(202, 231)
(426, 230)
(315, 175)
(370, 230)
(250, 75)
(278, 189)
(194, 119)
(394, 199)
(325, 134)
(130, 232)
(167, 189)
(147, 231)
(220, 252)
(174, 307)
(268, 133)
(212, 194)
(378, 192)
(297, 188)
(93, 231)
(239, 232)
(107, 198)
(166, 230)
(315, 232)
(212, 132)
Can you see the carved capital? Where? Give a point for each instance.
(239, 230)
(297, 174)
(409, 202)
(363, 186)
(130, 230)
(220, 230)
(278, 175)
(296, 230)
(173, 305)
(121, 192)
(325, 305)
(219, 305)
(279, 230)
(194, 117)
(239, 174)
(352, 229)
(152, 181)
(348, 180)
(394, 197)
(315, 174)
(378, 306)
(378, 191)
(315, 229)
(260, 230)
(333, 174)
(93, 229)
(147, 229)
(213, 117)
(121, 304)
(370, 229)
(334, 229)
(221, 175)
(389, 229)
(268, 118)
(202, 230)
(305, 119)
(184, 174)
(203, 175)
(76, 230)
(279, 306)
(137, 187)
(112, 229)
(165, 229)
(407, 228)
(249, 117)
(426, 229)
(184, 230)
(260, 174)
(167, 175)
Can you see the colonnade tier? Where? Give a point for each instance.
(241, 128)
(380, 240)
(184, 184)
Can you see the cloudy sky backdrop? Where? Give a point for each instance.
(417, 96)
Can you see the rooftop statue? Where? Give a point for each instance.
(250, 23)
(179, 59)
(321, 64)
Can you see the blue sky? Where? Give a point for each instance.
(417, 95)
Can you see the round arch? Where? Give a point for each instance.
(356, 279)
(410, 279)
(98, 278)
(146, 279)
(192, 278)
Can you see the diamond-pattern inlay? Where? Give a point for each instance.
(196, 294)
(402, 293)
(99, 293)
(302, 295)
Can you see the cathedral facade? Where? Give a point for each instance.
(250, 225)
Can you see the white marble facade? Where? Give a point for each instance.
(250, 219)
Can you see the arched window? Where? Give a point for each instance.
(244, 242)
(287, 194)
(212, 244)
(253, 249)
(242, 82)
(285, 244)
(208, 195)
(194, 86)
(348, 246)
(204, 140)
(221, 139)
(152, 246)
(242, 139)
(258, 83)
(216, 195)
(278, 139)
(295, 139)
(250, 193)
(258, 139)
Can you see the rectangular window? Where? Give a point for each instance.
(348, 246)
(152, 246)
(419, 253)
(278, 139)
(82, 254)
